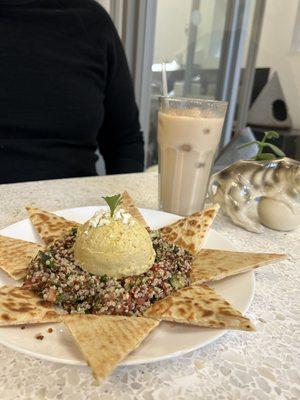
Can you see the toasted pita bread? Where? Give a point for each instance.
(20, 306)
(15, 256)
(128, 205)
(49, 226)
(212, 265)
(199, 305)
(106, 340)
(190, 232)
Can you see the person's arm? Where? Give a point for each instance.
(120, 138)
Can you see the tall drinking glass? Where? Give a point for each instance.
(189, 132)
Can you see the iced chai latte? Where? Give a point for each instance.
(189, 132)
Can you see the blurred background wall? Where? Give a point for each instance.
(276, 50)
(216, 49)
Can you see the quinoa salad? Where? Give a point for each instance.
(54, 275)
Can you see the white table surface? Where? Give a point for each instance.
(264, 365)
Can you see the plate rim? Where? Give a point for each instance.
(142, 360)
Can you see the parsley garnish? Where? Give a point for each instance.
(113, 202)
(104, 278)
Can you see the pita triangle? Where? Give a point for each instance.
(199, 305)
(106, 340)
(128, 205)
(49, 226)
(15, 256)
(20, 306)
(190, 232)
(213, 265)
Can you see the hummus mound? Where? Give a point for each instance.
(118, 248)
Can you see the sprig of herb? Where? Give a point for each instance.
(47, 260)
(261, 156)
(104, 279)
(113, 202)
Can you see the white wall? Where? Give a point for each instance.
(275, 51)
(172, 23)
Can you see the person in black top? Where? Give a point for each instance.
(65, 89)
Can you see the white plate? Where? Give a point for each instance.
(168, 340)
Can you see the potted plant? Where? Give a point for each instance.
(262, 191)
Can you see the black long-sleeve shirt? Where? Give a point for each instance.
(65, 89)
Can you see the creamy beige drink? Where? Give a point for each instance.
(187, 142)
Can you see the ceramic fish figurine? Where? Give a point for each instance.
(252, 193)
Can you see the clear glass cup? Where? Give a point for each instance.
(189, 132)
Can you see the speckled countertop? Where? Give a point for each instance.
(262, 366)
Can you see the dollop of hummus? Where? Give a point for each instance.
(116, 246)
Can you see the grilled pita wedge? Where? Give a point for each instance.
(129, 206)
(190, 232)
(15, 256)
(213, 265)
(49, 226)
(199, 305)
(20, 306)
(106, 340)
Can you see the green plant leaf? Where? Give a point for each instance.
(113, 202)
(249, 144)
(260, 156)
(271, 135)
(264, 157)
(275, 149)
